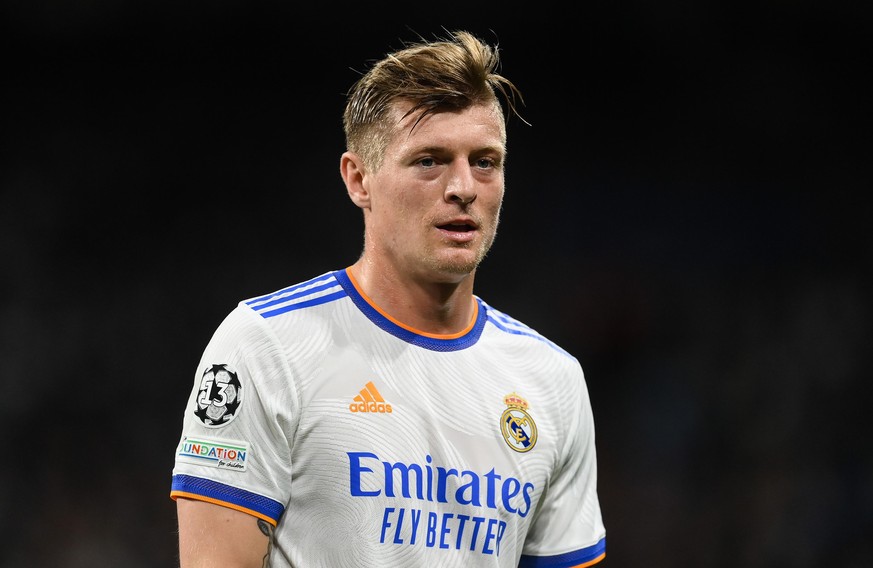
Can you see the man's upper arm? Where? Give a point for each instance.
(213, 535)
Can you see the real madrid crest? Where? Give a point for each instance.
(518, 428)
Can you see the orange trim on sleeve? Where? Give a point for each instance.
(591, 562)
(176, 494)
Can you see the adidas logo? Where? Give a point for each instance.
(370, 400)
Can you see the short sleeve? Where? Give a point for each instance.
(568, 530)
(239, 421)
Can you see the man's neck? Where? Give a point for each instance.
(442, 308)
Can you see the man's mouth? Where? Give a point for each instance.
(457, 227)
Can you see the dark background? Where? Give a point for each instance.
(686, 215)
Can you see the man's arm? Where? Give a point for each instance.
(212, 535)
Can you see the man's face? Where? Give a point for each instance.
(435, 202)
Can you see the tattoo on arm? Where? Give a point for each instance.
(267, 529)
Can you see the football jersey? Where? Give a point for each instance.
(369, 443)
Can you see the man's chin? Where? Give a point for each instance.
(455, 269)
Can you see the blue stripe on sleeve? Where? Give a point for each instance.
(304, 304)
(285, 292)
(583, 557)
(509, 325)
(228, 494)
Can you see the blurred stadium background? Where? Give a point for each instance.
(685, 214)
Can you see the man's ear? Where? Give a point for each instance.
(353, 172)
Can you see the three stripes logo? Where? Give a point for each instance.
(370, 400)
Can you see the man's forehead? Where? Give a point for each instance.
(418, 124)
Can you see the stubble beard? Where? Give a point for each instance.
(461, 265)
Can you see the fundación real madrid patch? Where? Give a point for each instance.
(223, 454)
(219, 397)
(518, 428)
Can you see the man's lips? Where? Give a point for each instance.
(461, 225)
(456, 228)
(459, 230)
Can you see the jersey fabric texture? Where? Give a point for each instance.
(369, 443)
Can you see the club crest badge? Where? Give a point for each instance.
(219, 397)
(518, 428)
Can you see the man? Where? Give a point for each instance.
(384, 415)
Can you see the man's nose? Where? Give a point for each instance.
(461, 187)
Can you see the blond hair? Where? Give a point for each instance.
(446, 74)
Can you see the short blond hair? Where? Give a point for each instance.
(434, 76)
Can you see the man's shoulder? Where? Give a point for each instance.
(515, 329)
(316, 291)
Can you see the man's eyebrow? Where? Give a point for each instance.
(436, 149)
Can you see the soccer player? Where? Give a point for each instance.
(381, 414)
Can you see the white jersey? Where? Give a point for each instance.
(369, 443)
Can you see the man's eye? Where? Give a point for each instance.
(484, 163)
(427, 162)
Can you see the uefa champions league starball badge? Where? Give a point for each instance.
(219, 396)
(518, 428)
